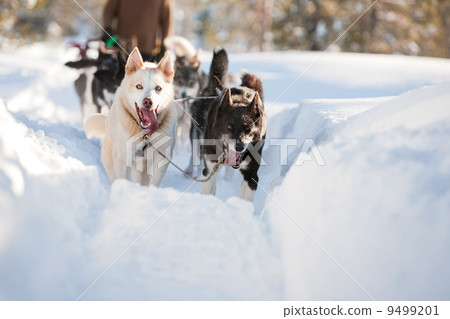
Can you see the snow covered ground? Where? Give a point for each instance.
(372, 222)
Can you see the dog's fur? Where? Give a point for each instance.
(83, 85)
(143, 105)
(94, 86)
(236, 121)
(189, 79)
(111, 75)
(217, 81)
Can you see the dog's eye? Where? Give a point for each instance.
(230, 127)
(158, 88)
(139, 87)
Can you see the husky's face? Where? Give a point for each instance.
(186, 82)
(148, 89)
(187, 77)
(240, 121)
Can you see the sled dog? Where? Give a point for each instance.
(217, 81)
(143, 105)
(236, 125)
(96, 94)
(189, 79)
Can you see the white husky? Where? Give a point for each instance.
(143, 105)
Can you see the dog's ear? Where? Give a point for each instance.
(197, 55)
(166, 66)
(254, 107)
(195, 60)
(226, 99)
(134, 62)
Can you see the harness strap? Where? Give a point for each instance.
(196, 179)
(188, 98)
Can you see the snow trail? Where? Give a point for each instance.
(379, 205)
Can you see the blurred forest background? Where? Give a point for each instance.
(391, 26)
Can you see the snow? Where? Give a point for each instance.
(380, 206)
(373, 221)
(188, 251)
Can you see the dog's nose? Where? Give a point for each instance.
(147, 102)
(183, 92)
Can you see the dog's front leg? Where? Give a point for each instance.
(247, 192)
(209, 187)
(250, 184)
(249, 171)
(160, 165)
(120, 169)
(138, 174)
(158, 174)
(107, 158)
(193, 137)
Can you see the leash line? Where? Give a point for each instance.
(188, 98)
(196, 179)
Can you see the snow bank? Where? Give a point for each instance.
(380, 206)
(60, 230)
(316, 119)
(51, 200)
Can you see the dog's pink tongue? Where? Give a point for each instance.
(232, 158)
(148, 120)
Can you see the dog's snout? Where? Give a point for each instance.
(147, 102)
(240, 146)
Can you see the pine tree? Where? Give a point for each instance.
(390, 26)
(26, 21)
(234, 24)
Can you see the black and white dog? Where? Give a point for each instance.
(217, 81)
(235, 129)
(97, 83)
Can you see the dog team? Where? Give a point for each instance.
(139, 109)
